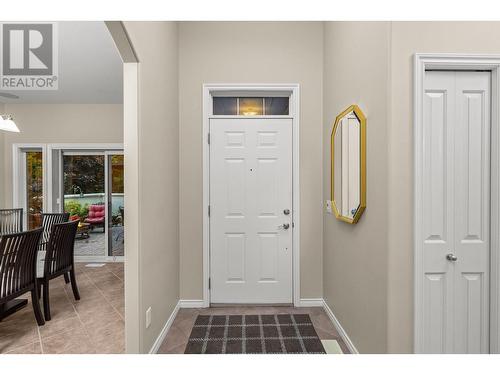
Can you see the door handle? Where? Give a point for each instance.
(284, 226)
(451, 257)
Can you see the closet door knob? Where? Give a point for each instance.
(451, 257)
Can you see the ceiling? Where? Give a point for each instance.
(90, 68)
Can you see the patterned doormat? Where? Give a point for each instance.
(272, 334)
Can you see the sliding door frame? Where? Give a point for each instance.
(89, 149)
(48, 161)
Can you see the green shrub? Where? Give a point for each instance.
(75, 208)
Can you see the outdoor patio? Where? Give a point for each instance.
(95, 244)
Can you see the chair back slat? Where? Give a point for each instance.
(18, 262)
(60, 248)
(48, 220)
(11, 221)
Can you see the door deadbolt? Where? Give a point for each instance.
(286, 211)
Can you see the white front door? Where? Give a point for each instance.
(251, 210)
(455, 212)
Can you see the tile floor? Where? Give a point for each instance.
(179, 332)
(95, 324)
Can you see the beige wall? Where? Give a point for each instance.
(155, 44)
(249, 52)
(409, 38)
(59, 123)
(355, 256)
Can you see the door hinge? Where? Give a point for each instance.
(209, 283)
(208, 138)
(209, 210)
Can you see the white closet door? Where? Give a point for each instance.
(455, 221)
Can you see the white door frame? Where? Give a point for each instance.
(423, 61)
(17, 173)
(291, 90)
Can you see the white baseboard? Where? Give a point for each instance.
(311, 302)
(191, 304)
(340, 329)
(164, 331)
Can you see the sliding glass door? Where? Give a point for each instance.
(116, 207)
(86, 182)
(84, 198)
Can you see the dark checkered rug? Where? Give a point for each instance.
(225, 334)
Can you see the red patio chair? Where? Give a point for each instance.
(96, 216)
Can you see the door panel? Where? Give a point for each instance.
(235, 187)
(436, 292)
(250, 186)
(235, 255)
(471, 208)
(439, 103)
(456, 212)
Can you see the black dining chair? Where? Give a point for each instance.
(48, 220)
(59, 260)
(11, 220)
(18, 268)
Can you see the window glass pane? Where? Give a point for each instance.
(225, 106)
(276, 106)
(117, 238)
(83, 174)
(84, 197)
(251, 106)
(34, 188)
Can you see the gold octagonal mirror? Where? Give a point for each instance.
(348, 154)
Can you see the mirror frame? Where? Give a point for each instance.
(362, 204)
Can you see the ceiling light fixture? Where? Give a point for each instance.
(8, 124)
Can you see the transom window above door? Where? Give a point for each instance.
(251, 106)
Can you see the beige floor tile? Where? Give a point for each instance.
(32, 348)
(69, 342)
(174, 338)
(179, 349)
(187, 313)
(18, 338)
(121, 311)
(109, 338)
(185, 325)
(93, 323)
(59, 325)
(113, 294)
